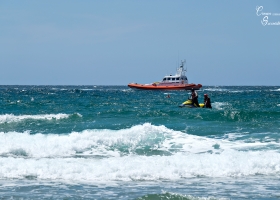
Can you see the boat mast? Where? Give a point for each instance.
(181, 71)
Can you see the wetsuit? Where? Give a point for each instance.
(207, 103)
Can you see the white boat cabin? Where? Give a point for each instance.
(178, 78)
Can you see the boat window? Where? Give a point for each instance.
(168, 78)
(173, 79)
(164, 79)
(177, 78)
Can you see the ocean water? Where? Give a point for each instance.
(112, 142)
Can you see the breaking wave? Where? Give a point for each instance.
(8, 118)
(143, 152)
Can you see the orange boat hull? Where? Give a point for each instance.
(165, 87)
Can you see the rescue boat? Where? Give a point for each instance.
(178, 81)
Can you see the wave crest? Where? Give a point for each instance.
(142, 153)
(8, 118)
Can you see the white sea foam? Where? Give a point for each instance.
(275, 90)
(220, 105)
(7, 118)
(115, 143)
(88, 142)
(237, 91)
(86, 89)
(216, 89)
(227, 90)
(131, 167)
(98, 155)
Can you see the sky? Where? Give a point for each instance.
(115, 42)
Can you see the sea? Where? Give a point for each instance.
(113, 142)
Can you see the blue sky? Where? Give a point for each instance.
(115, 42)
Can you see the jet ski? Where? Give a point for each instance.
(189, 104)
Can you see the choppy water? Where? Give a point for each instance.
(112, 142)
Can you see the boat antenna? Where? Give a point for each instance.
(178, 60)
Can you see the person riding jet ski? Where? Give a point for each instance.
(194, 98)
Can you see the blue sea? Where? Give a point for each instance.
(113, 142)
